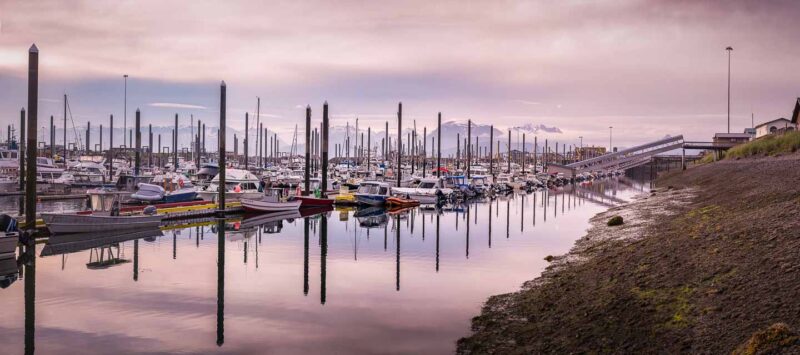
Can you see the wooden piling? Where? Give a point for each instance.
(111, 148)
(246, 139)
(469, 151)
(222, 107)
(399, 142)
(33, 111)
(21, 150)
(438, 151)
(324, 147)
(308, 156)
(137, 154)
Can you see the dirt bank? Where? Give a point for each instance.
(709, 263)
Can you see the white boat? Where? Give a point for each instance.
(372, 193)
(239, 185)
(270, 204)
(82, 223)
(429, 191)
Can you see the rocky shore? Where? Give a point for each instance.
(708, 262)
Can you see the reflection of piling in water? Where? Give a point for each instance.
(534, 209)
(397, 253)
(508, 218)
(490, 223)
(174, 246)
(468, 208)
(437, 242)
(136, 260)
(305, 256)
(30, 295)
(522, 208)
(323, 237)
(220, 282)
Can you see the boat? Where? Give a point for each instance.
(9, 237)
(84, 223)
(344, 197)
(373, 193)
(429, 191)
(311, 201)
(273, 202)
(176, 188)
(371, 217)
(239, 184)
(401, 202)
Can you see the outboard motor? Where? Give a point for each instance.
(149, 210)
(7, 223)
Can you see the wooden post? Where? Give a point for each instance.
(137, 155)
(308, 152)
(246, 140)
(21, 150)
(399, 143)
(509, 151)
(425, 150)
(491, 151)
(222, 106)
(523, 153)
(175, 147)
(469, 151)
(324, 147)
(111, 148)
(33, 111)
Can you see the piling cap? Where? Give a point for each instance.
(222, 83)
(33, 49)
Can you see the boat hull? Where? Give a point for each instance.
(229, 196)
(8, 245)
(268, 206)
(372, 200)
(74, 223)
(307, 201)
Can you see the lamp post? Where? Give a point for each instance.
(125, 110)
(610, 146)
(729, 49)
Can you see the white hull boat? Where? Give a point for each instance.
(75, 223)
(270, 204)
(8, 245)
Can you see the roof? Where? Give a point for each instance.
(796, 111)
(773, 121)
(731, 135)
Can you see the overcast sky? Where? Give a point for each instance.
(648, 68)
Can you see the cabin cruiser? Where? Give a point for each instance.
(503, 182)
(166, 188)
(372, 193)
(480, 183)
(429, 191)
(239, 184)
(9, 162)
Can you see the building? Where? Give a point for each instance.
(731, 139)
(589, 152)
(774, 126)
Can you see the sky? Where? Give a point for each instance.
(647, 68)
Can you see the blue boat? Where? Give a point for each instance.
(373, 193)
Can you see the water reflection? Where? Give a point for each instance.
(168, 297)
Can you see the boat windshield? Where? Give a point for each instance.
(427, 185)
(368, 189)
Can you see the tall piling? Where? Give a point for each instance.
(425, 150)
(88, 136)
(469, 151)
(33, 111)
(399, 142)
(523, 153)
(369, 149)
(65, 127)
(137, 162)
(324, 147)
(509, 151)
(175, 147)
(458, 151)
(150, 146)
(387, 147)
(221, 198)
(101, 140)
(21, 150)
(53, 138)
(308, 154)
(111, 148)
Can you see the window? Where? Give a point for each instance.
(773, 129)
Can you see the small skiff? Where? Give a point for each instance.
(401, 202)
(270, 204)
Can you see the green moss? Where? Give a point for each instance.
(671, 303)
(615, 221)
(768, 145)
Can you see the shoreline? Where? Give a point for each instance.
(673, 278)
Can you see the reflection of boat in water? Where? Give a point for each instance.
(72, 243)
(9, 272)
(371, 217)
(314, 211)
(97, 223)
(269, 219)
(399, 210)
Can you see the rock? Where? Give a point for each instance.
(615, 221)
(549, 258)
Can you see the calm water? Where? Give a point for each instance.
(384, 283)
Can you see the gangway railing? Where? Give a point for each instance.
(627, 158)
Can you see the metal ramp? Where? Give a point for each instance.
(627, 158)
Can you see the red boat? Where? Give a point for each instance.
(310, 201)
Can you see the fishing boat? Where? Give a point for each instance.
(9, 237)
(429, 191)
(345, 197)
(84, 223)
(312, 201)
(168, 188)
(373, 193)
(239, 184)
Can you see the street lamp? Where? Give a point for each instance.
(610, 146)
(125, 112)
(729, 49)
